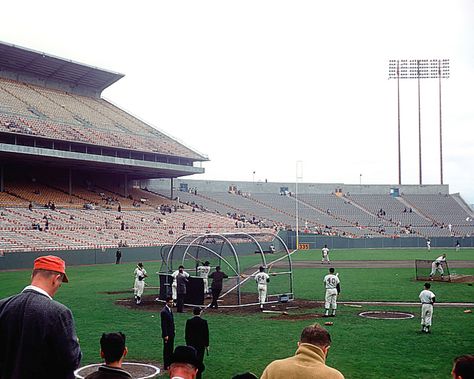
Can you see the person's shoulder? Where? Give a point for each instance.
(335, 374)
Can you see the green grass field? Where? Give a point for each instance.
(362, 348)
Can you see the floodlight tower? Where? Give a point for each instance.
(419, 69)
(299, 175)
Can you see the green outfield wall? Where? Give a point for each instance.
(13, 261)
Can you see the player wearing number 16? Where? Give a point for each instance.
(333, 289)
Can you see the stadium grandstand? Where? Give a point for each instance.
(351, 211)
(79, 173)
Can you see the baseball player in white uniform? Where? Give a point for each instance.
(428, 244)
(139, 285)
(437, 265)
(333, 288)
(174, 285)
(203, 272)
(262, 279)
(427, 299)
(325, 252)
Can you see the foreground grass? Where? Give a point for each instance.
(362, 348)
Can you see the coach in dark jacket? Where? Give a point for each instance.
(181, 282)
(167, 332)
(37, 334)
(217, 278)
(197, 336)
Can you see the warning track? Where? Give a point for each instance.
(369, 264)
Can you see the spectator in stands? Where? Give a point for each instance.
(113, 350)
(309, 360)
(122, 225)
(184, 363)
(184, 226)
(216, 287)
(119, 208)
(38, 337)
(463, 367)
(30, 206)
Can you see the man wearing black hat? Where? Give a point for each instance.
(197, 336)
(37, 334)
(184, 363)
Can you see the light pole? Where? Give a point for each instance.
(299, 175)
(419, 69)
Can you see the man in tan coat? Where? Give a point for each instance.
(309, 360)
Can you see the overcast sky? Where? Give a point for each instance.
(259, 85)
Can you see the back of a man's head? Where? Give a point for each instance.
(184, 363)
(112, 346)
(464, 367)
(315, 335)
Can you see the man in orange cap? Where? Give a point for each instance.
(37, 334)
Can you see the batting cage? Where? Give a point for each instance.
(239, 255)
(432, 270)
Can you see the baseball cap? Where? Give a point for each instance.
(51, 263)
(185, 354)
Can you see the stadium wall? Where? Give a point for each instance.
(24, 260)
(12, 261)
(316, 241)
(164, 185)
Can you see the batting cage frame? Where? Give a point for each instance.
(428, 270)
(239, 255)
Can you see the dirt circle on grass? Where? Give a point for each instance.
(135, 369)
(298, 309)
(386, 315)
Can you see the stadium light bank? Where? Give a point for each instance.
(419, 69)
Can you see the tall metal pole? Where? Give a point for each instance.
(299, 175)
(440, 126)
(399, 137)
(297, 210)
(419, 122)
(419, 69)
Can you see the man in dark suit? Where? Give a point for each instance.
(37, 334)
(216, 287)
(197, 336)
(167, 332)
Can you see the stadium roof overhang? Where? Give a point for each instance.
(26, 65)
(135, 169)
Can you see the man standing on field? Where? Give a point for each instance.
(427, 299)
(262, 279)
(325, 253)
(333, 289)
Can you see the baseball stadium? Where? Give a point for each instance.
(84, 180)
